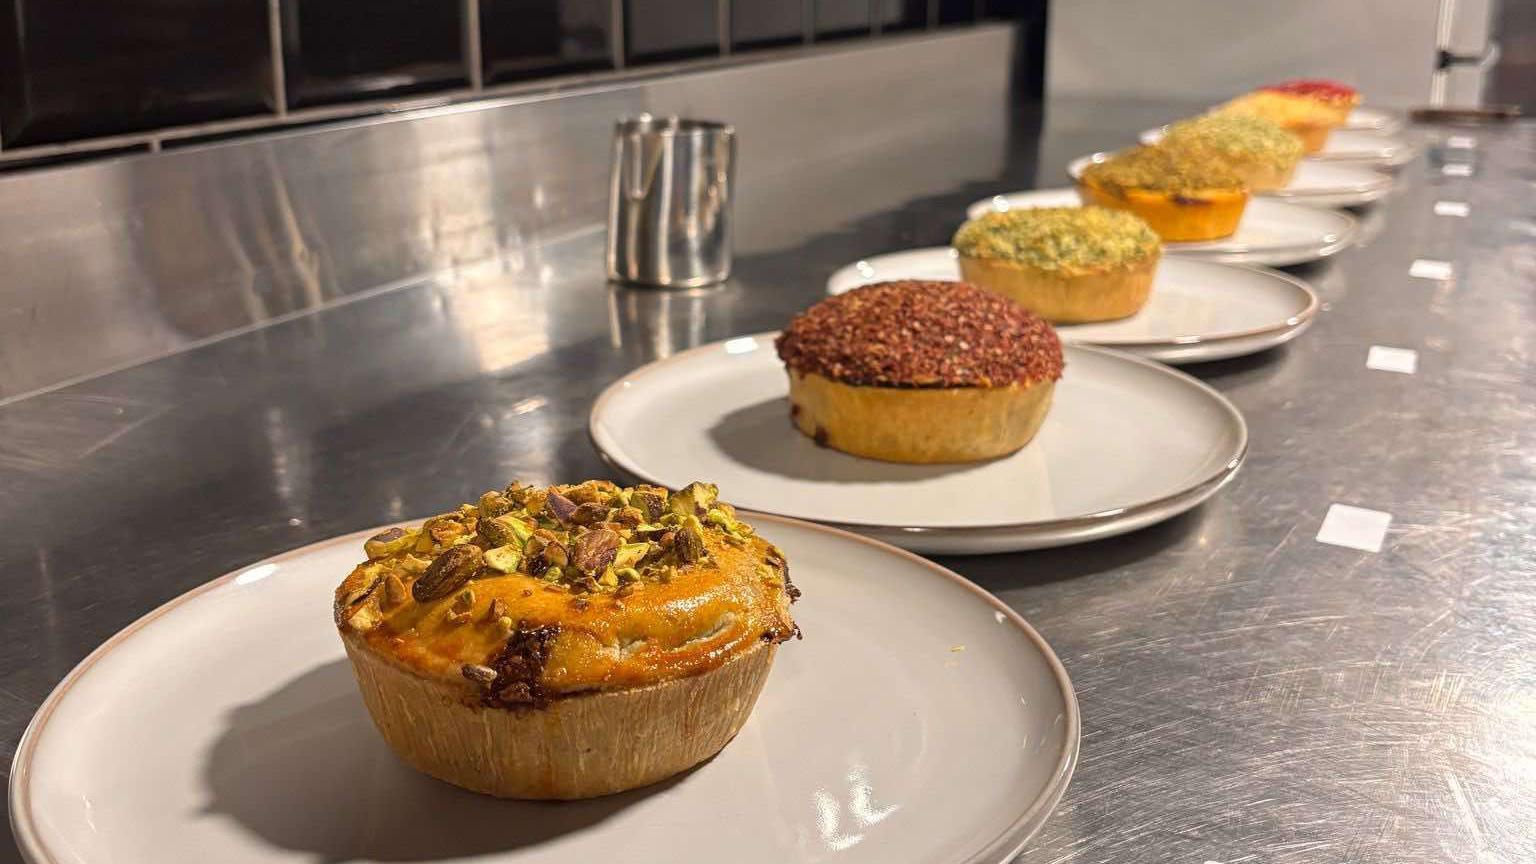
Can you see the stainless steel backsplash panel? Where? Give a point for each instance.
(107, 264)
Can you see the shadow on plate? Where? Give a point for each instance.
(1248, 368)
(999, 573)
(761, 436)
(303, 769)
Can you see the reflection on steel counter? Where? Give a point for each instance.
(1247, 692)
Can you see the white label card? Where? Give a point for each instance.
(1354, 527)
(1384, 359)
(1456, 169)
(1452, 208)
(1428, 268)
(1461, 142)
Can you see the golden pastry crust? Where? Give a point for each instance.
(597, 589)
(919, 426)
(1181, 198)
(1067, 296)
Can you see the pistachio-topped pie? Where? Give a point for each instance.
(1183, 197)
(1308, 119)
(914, 371)
(566, 642)
(1261, 153)
(1066, 264)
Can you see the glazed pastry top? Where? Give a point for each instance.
(533, 593)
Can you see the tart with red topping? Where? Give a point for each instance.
(920, 372)
(1308, 119)
(565, 642)
(1340, 98)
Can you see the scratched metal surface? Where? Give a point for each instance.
(114, 262)
(1248, 694)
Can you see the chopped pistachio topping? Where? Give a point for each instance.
(1160, 169)
(1053, 238)
(504, 558)
(388, 543)
(1233, 139)
(592, 537)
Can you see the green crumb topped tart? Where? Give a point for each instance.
(1234, 137)
(1059, 238)
(1160, 169)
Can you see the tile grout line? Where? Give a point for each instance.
(473, 48)
(616, 24)
(283, 118)
(723, 14)
(275, 47)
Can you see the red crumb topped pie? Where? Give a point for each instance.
(922, 372)
(913, 333)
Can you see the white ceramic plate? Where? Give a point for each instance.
(1344, 145)
(1198, 310)
(1273, 233)
(1127, 443)
(1318, 184)
(919, 720)
(1373, 120)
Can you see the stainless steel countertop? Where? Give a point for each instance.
(1248, 693)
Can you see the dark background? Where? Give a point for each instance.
(71, 71)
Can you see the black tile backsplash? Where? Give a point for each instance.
(898, 15)
(958, 11)
(155, 70)
(341, 50)
(1029, 10)
(842, 19)
(523, 39)
(766, 23)
(71, 70)
(659, 30)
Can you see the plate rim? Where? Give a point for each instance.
(1300, 319)
(1347, 235)
(1195, 492)
(1391, 121)
(1401, 154)
(1007, 844)
(1380, 183)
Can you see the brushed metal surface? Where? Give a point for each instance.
(111, 263)
(1248, 694)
